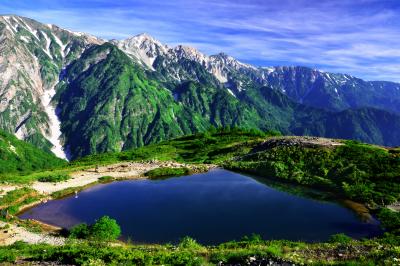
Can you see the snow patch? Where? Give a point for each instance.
(219, 75)
(231, 92)
(20, 134)
(336, 91)
(25, 39)
(269, 70)
(55, 124)
(15, 28)
(59, 42)
(328, 76)
(27, 27)
(48, 42)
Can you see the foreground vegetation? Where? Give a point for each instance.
(350, 170)
(339, 251)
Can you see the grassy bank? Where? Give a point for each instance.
(340, 251)
(363, 173)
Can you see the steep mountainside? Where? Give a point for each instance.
(32, 57)
(335, 92)
(122, 94)
(108, 103)
(19, 156)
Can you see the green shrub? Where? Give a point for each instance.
(167, 172)
(390, 220)
(340, 238)
(57, 177)
(7, 256)
(274, 250)
(81, 231)
(106, 179)
(254, 238)
(105, 229)
(189, 243)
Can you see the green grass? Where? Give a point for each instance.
(13, 200)
(69, 191)
(17, 157)
(189, 252)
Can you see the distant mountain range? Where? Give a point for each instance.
(75, 94)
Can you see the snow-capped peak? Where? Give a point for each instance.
(143, 48)
(188, 52)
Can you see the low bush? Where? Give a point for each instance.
(167, 172)
(340, 238)
(104, 229)
(390, 220)
(80, 231)
(7, 256)
(106, 179)
(189, 243)
(56, 177)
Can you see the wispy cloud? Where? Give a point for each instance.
(360, 37)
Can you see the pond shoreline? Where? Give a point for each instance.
(199, 184)
(79, 181)
(129, 171)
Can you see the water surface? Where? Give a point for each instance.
(212, 207)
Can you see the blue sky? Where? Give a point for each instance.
(358, 37)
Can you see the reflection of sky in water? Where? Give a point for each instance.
(212, 207)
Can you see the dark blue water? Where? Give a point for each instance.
(213, 207)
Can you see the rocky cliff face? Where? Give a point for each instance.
(32, 58)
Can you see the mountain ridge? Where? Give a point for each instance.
(180, 91)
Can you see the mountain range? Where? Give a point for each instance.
(74, 94)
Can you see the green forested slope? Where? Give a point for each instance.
(19, 156)
(109, 103)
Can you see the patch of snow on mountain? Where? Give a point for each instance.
(55, 124)
(8, 20)
(269, 70)
(48, 42)
(20, 134)
(24, 38)
(143, 48)
(336, 91)
(231, 92)
(219, 75)
(28, 28)
(59, 42)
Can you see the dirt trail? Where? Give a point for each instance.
(10, 233)
(130, 170)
